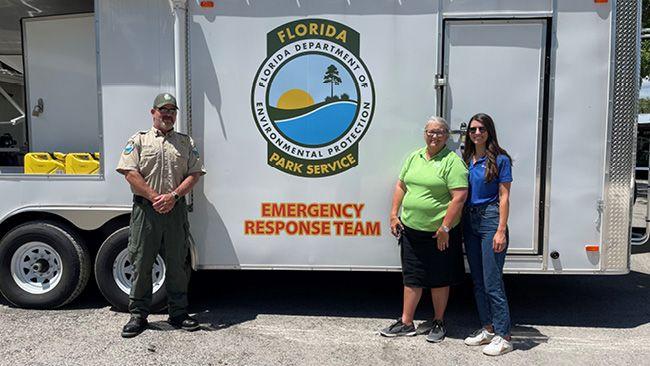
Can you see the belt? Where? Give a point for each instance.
(140, 199)
(143, 201)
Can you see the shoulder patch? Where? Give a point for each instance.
(195, 151)
(128, 148)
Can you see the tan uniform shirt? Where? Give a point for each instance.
(163, 160)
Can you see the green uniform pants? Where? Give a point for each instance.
(167, 234)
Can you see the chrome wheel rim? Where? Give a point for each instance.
(123, 272)
(36, 268)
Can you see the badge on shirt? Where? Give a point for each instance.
(128, 148)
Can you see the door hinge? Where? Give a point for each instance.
(439, 81)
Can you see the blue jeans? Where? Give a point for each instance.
(479, 226)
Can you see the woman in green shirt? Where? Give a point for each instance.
(431, 191)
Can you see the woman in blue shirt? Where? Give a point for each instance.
(485, 232)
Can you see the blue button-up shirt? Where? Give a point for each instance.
(482, 192)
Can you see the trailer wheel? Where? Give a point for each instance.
(114, 273)
(43, 265)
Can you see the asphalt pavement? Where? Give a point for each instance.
(332, 318)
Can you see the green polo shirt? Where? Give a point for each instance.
(428, 183)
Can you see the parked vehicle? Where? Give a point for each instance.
(304, 112)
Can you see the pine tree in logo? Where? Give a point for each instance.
(332, 77)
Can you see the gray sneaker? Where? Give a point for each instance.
(437, 333)
(398, 329)
(424, 327)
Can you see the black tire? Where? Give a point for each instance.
(68, 246)
(104, 263)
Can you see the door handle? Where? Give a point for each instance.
(38, 108)
(461, 131)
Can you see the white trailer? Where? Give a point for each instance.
(304, 112)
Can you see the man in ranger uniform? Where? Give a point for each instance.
(161, 166)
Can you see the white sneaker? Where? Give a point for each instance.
(479, 337)
(497, 347)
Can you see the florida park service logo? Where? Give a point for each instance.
(313, 98)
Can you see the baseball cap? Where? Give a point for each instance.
(164, 99)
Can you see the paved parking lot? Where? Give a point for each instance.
(306, 318)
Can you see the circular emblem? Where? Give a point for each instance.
(313, 98)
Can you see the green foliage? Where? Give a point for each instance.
(644, 105)
(645, 59)
(645, 44)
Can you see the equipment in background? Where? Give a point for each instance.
(7, 141)
(42, 163)
(61, 163)
(81, 163)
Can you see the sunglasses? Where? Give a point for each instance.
(435, 133)
(476, 129)
(167, 110)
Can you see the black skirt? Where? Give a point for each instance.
(423, 265)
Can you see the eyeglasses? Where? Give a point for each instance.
(476, 129)
(167, 110)
(435, 133)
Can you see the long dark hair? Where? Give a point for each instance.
(492, 146)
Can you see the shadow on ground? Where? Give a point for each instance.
(222, 299)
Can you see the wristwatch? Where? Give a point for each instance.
(175, 195)
(445, 228)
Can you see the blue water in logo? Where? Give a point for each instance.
(320, 126)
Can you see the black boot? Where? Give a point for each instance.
(185, 322)
(135, 326)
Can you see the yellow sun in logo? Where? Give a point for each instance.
(295, 99)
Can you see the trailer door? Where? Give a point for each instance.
(498, 67)
(61, 83)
